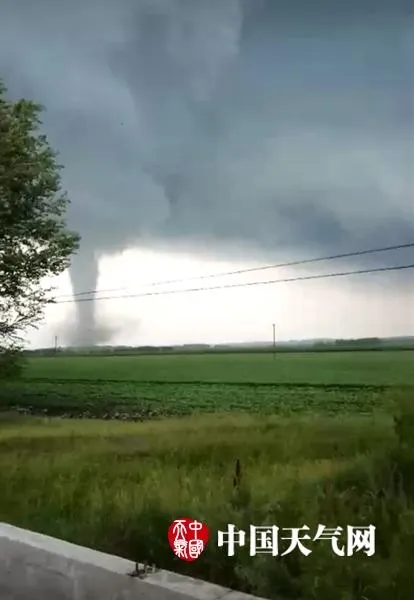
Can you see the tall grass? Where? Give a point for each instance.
(117, 487)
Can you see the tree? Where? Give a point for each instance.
(34, 240)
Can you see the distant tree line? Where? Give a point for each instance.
(326, 346)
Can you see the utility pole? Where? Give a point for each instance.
(56, 344)
(274, 341)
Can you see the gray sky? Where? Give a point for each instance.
(211, 127)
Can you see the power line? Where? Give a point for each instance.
(235, 285)
(252, 269)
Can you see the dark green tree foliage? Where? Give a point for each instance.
(34, 240)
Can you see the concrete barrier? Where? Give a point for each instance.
(38, 567)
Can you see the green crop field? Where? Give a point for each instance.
(376, 368)
(149, 386)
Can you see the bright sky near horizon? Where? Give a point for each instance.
(345, 307)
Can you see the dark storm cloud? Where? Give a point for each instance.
(223, 118)
(287, 125)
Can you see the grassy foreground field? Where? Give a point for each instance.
(117, 487)
(315, 436)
